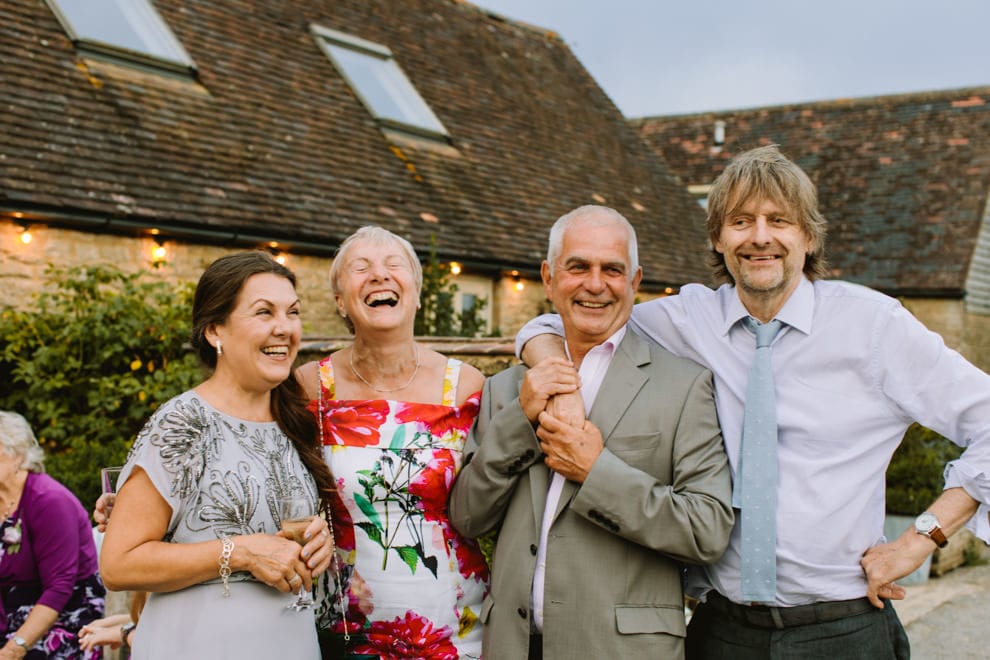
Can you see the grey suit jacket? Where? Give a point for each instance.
(658, 495)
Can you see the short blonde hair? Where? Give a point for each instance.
(377, 236)
(18, 441)
(766, 174)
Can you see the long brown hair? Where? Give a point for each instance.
(216, 296)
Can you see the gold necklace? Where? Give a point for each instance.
(10, 507)
(382, 389)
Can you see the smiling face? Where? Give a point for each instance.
(592, 284)
(378, 289)
(765, 248)
(260, 337)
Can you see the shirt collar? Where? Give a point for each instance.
(797, 312)
(609, 344)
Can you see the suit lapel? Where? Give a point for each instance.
(622, 382)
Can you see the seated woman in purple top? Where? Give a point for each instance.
(49, 585)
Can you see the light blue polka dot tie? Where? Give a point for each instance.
(758, 481)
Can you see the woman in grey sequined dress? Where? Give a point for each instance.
(198, 491)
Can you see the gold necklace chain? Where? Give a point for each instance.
(382, 389)
(11, 504)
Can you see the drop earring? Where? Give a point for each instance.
(219, 348)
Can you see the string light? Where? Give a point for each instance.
(159, 252)
(519, 284)
(455, 268)
(277, 254)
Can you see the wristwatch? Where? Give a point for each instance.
(927, 524)
(20, 641)
(125, 630)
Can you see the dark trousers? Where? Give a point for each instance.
(875, 635)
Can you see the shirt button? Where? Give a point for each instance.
(522, 612)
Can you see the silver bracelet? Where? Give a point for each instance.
(225, 553)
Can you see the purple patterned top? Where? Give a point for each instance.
(56, 547)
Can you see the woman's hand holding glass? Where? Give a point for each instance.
(108, 486)
(319, 548)
(297, 513)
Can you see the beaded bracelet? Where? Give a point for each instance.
(224, 561)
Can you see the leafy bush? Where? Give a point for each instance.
(436, 316)
(914, 476)
(89, 360)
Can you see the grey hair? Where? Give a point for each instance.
(594, 215)
(17, 439)
(378, 236)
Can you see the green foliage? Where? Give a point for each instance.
(436, 316)
(914, 476)
(89, 360)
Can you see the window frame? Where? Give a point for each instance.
(179, 61)
(326, 37)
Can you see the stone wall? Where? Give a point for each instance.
(966, 332)
(22, 266)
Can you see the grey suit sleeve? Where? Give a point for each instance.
(689, 519)
(502, 445)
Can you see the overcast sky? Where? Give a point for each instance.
(670, 57)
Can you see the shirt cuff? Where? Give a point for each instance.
(976, 483)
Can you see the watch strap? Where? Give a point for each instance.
(125, 630)
(936, 534)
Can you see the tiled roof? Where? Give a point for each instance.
(270, 141)
(903, 180)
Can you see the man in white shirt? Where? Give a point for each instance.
(596, 519)
(851, 369)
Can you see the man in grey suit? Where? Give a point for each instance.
(595, 521)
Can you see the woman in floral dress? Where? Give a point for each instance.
(49, 584)
(394, 417)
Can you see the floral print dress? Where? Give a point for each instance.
(412, 585)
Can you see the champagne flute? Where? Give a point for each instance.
(108, 486)
(296, 512)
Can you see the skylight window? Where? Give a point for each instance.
(373, 74)
(130, 29)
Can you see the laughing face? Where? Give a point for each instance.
(591, 284)
(260, 337)
(377, 287)
(765, 249)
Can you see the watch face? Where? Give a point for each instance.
(926, 522)
(20, 642)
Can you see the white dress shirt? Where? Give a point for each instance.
(852, 369)
(592, 372)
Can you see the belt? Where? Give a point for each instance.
(764, 616)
